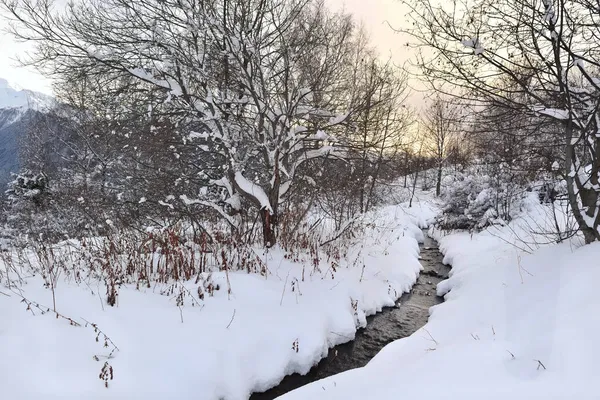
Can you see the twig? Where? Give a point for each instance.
(106, 338)
(431, 337)
(232, 317)
(101, 302)
(340, 233)
(195, 302)
(519, 266)
(540, 364)
(511, 354)
(44, 309)
(362, 273)
(283, 291)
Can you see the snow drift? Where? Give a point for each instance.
(514, 326)
(225, 346)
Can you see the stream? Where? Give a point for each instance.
(410, 313)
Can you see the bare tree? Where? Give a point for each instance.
(547, 50)
(439, 127)
(248, 84)
(372, 137)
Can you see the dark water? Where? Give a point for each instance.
(410, 314)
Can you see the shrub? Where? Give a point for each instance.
(476, 200)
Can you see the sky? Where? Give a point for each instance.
(377, 17)
(374, 14)
(18, 76)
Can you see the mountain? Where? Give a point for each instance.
(23, 99)
(19, 109)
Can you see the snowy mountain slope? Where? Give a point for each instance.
(11, 127)
(24, 99)
(18, 109)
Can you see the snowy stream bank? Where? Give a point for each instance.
(514, 324)
(408, 315)
(235, 343)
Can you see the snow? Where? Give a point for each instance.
(473, 44)
(198, 135)
(226, 347)
(553, 112)
(468, 42)
(338, 119)
(235, 202)
(549, 16)
(519, 321)
(515, 324)
(251, 188)
(320, 135)
(23, 99)
(163, 203)
(169, 83)
(555, 166)
(187, 201)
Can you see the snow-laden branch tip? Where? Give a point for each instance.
(170, 84)
(198, 135)
(224, 182)
(312, 154)
(474, 44)
(163, 203)
(297, 130)
(254, 190)
(555, 113)
(338, 119)
(555, 166)
(320, 135)
(549, 15)
(235, 202)
(188, 202)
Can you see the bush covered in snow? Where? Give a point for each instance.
(475, 200)
(487, 195)
(27, 185)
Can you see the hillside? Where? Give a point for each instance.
(18, 110)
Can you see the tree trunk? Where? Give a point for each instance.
(268, 224)
(414, 187)
(588, 202)
(269, 218)
(406, 169)
(438, 185)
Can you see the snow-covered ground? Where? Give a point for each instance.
(520, 321)
(514, 325)
(226, 346)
